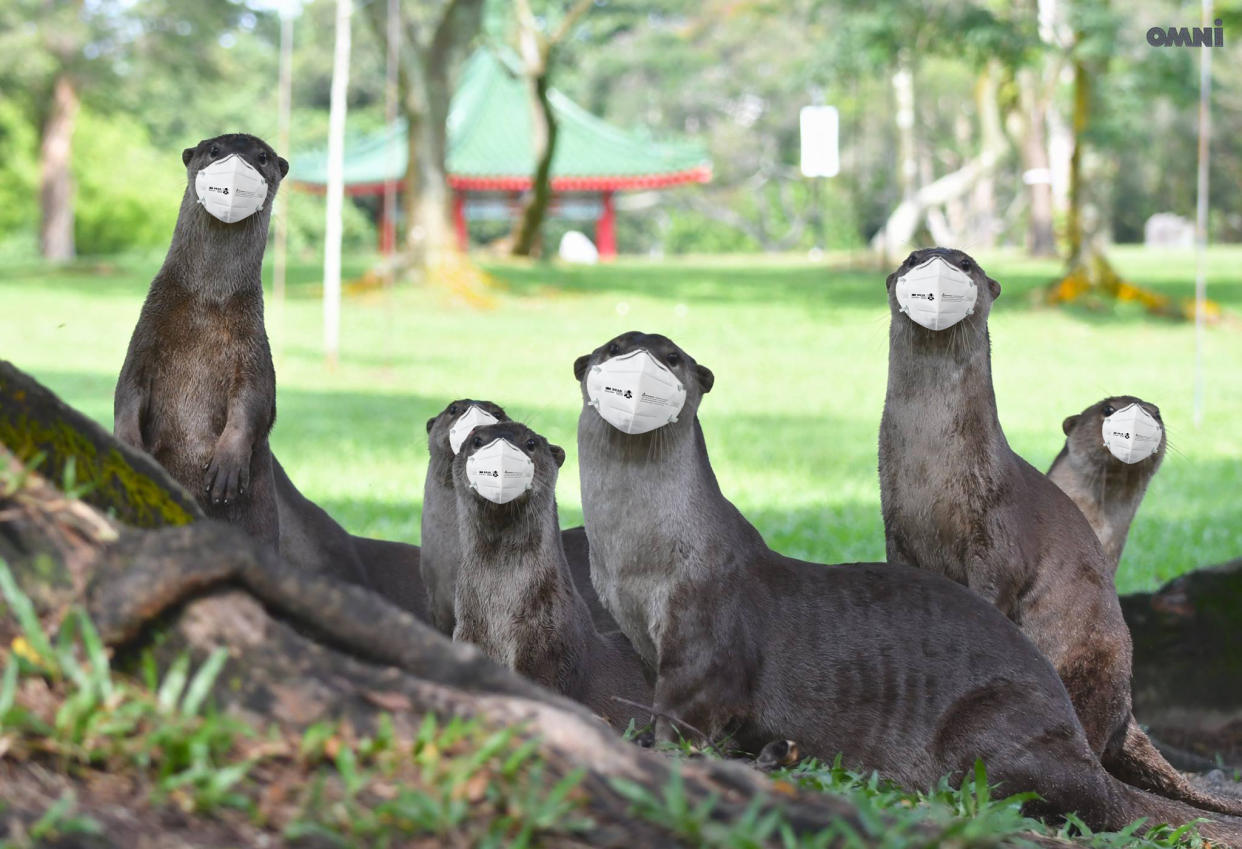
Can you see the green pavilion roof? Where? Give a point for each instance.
(489, 145)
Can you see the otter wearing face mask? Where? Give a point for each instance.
(441, 547)
(514, 597)
(198, 390)
(1112, 451)
(958, 502)
(898, 670)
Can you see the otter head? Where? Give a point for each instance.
(447, 431)
(938, 288)
(234, 175)
(506, 465)
(641, 382)
(1088, 437)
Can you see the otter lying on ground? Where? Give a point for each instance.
(958, 502)
(901, 671)
(514, 596)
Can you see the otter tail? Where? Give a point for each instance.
(1125, 804)
(1137, 762)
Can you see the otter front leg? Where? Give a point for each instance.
(690, 702)
(127, 406)
(251, 411)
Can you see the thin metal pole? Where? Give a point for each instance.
(336, 186)
(284, 106)
(390, 119)
(1201, 212)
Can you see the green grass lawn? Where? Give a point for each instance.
(799, 351)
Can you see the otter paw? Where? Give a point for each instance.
(227, 477)
(778, 754)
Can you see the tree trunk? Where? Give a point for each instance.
(529, 231)
(1073, 222)
(433, 46)
(429, 232)
(56, 175)
(1036, 165)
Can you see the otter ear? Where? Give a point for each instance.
(558, 454)
(580, 366)
(187, 155)
(431, 422)
(284, 165)
(1068, 424)
(994, 288)
(706, 378)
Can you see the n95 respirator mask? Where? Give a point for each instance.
(231, 189)
(1132, 434)
(466, 422)
(635, 392)
(499, 471)
(935, 294)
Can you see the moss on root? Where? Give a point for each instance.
(34, 422)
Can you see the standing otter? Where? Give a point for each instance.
(441, 542)
(899, 670)
(441, 546)
(958, 502)
(198, 390)
(1106, 489)
(515, 599)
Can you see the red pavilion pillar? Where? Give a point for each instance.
(387, 230)
(459, 219)
(606, 229)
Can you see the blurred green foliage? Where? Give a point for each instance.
(128, 191)
(162, 75)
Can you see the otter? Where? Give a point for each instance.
(1106, 490)
(902, 671)
(441, 547)
(959, 503)
(312, 540)
(515, 598)
(198, 390)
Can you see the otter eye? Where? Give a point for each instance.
(613, 349)
(532, 444)
(477, 442)
(966, 265)
(1108, 410)
(215, 151)
(262, 157)
(672, 358)
(452, 409)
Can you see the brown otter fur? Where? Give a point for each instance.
(1106, 490)
(515, 598)
(197, 390)
(898, 669)
(441, 547)
(958, 502)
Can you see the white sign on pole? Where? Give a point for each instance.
(819, 141)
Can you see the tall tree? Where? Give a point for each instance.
(436, 36)
(535, 52)
(64, 53)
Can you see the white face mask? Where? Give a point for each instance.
(936, 295)
(1131, 434)
(230, 188)
(635, 392)
(466, 422)
(499, 471)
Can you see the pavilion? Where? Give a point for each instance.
(490, 158)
